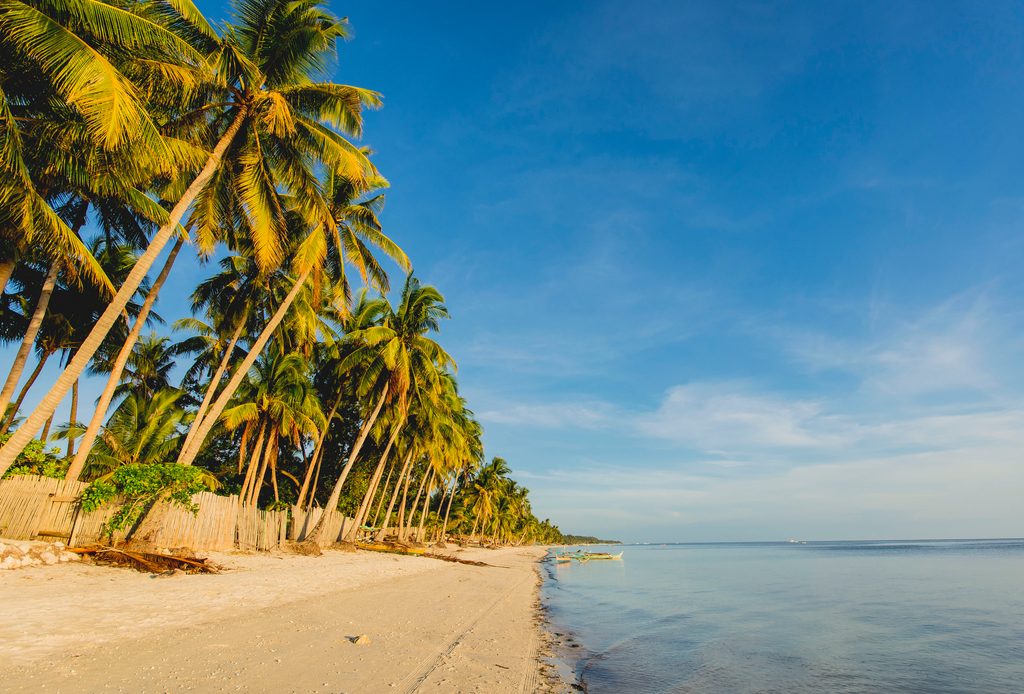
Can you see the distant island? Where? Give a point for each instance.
(587, 540)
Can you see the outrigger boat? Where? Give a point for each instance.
(582, 556)
(390, 548)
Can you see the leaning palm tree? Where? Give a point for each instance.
(269, 124)
(276, 404)
(349, 234)
(410, 363)
(340, 375)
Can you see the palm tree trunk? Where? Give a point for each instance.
(394, 495)
(426, 508)
(28, 339)
(364, 507)
(451, 498)
(242, 442)
(75, 470)
(188, 455)
(273, 466)
(6, 270)
(254, 458)
(332, 502)
(401, 507)
(404, 533)
(16, 444)
(204, 406)
(73, 418)
(46, 429)
(318, 452)
(383, 494)
(316, 479)
(440, 505)
(261, 476)
(21, 396)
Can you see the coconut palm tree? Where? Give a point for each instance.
(143, 429)
(61, 156)
(277, 403)
(117, 368)
(399, 363)
(72, 309)
(340, 376)
(61, 72)
(269, 125)
(149, 367)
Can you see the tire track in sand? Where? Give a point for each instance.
(418, 675)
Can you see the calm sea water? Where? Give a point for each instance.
(913, 616)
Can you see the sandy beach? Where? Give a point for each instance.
(281, 623)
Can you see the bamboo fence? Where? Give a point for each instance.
(260, 530)
(304, 520)
(33, 507)
(212, 527)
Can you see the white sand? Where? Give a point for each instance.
(278, 623)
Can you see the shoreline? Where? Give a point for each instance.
(565, 652)
(279, 622)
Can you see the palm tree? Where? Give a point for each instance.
(117, 368)
(142, 430)
(73, 152)
(398, 362)
(271, 123)
(278, 402)
(61, 72)
(350, 233)
(340, 375)
(72, 309)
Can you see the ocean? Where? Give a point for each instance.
(838, 617)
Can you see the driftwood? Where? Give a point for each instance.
(469, 562)
(147, 561)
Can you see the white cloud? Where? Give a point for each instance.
(549, 415)
(728, 417)
(955, 346)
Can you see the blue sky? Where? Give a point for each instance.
(719, 270)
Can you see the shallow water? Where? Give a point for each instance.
(907, 616)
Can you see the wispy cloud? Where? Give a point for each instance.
(958, 345)
(726, 417)
(550, 415)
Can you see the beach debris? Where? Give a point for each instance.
(361, 640)
(149, 561)
(468, 562)
(306, 547)
(17, 554)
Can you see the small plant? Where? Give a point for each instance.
(141, 486)
(37, 459)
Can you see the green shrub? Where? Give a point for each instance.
(141, 486)
(37, 459)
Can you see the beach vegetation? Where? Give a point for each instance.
(132, 133)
